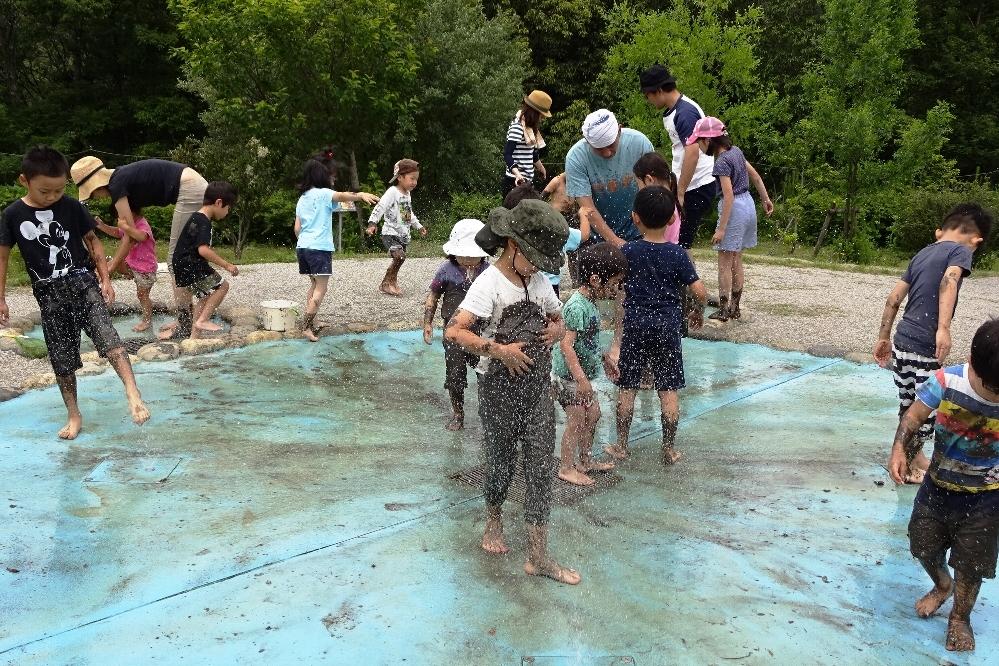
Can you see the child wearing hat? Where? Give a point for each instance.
(395, 209)
(465, 262)
(520, 318)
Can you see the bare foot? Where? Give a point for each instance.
(552, 569)
(207, 326)
(616, 452)
(671, 456)
(310, 335)
(72, 428)
(492, 539)
(396, 291)
(920, 461)
(575, 477)
(166, 332)
(456, 423)
(142, 326)
(138, 410)
(595, 466)
(960, 637)
(915, 476)
(933, 600)
(385, 289)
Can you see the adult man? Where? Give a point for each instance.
(696, 185)
(599, 175)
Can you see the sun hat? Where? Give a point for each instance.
(538, 229)
(540, 101)
(89, 174)
(461, 242)
(600, 128)
(402, 167)
(705, 128)
(654, 78)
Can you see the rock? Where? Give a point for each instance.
(31, 347)
(201, 345)
(294, 334)
(90, 369)
(242, 331)
(8, 394)
(22, 324)
(361, 327)
(245, 322)
(403, 326)
(332, 329)
(234, 341)
(36, 317)
(93, 357)
(9, 344)
(861, 358)
(257, 337)
(707, 332)
(38, 381)
(238, 312)
(159, 351)
(827, 351)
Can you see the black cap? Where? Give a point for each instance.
(655, 77)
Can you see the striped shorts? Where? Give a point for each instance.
(909, 371)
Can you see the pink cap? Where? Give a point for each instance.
(705, 128)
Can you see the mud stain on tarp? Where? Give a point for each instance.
(403, 506)
(343, 620)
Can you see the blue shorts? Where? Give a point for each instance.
(314, 262)
(658, 350)
(740, 233)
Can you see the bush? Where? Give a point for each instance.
(9, 194)
(920, 213)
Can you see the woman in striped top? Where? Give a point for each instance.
(524, 142)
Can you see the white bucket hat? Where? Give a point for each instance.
(461, 242)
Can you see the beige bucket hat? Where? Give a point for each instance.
(89, 174)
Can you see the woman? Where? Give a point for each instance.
(524, 142)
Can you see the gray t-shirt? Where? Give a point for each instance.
(732, 163)
(917, 332)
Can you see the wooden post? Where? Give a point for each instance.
(825, 229)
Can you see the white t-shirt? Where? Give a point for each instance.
(679, 122)
(396, 209)
(492, 293)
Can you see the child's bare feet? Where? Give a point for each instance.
(207, 326)
(960, 636)
(931, 602)
(386, 289)
(915, 476)
(142, 326)
(72, 428)
(595, 466)
(492, 539)
(167, 331)
(616, 452)
(456, 423)
(310, 335)
(395, 290)
(671, 456)
(575, 477)
(138, 410)
(552, 569)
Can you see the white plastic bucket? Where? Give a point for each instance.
(279, 315)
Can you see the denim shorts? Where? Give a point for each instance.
(314, 262)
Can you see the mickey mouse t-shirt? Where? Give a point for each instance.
(50, 239)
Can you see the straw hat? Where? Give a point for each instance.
(461, 242)
(89, 173)
(540, 101)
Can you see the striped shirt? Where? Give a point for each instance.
(966, 436)
(523, 152)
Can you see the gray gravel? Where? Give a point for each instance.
(785, 307)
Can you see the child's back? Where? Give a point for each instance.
(654, 286)
(918, 329)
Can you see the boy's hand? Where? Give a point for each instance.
(584, 390)
(695, 318)
(233, 269)
(4, 312)
(882, 352)
(107, 291)
(554, 331)
(428, 334)
(423, 231)
(718, 237)
(943, 344)
(898, 466)
(610, 364)
(513, 357)
(371, 230)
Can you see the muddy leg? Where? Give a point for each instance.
(118, 359)
(575, 425)
(540, 563)
(670, 403)
(960, 637)
(67, 387)
(457, 396)
(625, 414)
(943, 585)
(492, 539)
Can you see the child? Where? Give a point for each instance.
(465, 262)
(922, 341)
(314, 231)
(521, 322)
(396, 209)
(577, 359)
(652, 169)
(576, 236)
(957, 506)
(61, 253)
(555, 194)
(649, 335)
(736, 230)
(139, 250)
(193, 253)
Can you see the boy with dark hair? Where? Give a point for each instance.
(957, 506)
(576, 361)
(61, 253)
(922, 340)
(194, 253)
(648, 334)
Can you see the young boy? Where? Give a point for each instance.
(649, 334)
(61, 252)
(577, 359)
(194, 253)
(395, 208)
(521, 320)
(957, 506)
(922, 340)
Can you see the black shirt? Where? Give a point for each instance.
(147, 183)
(50, 239)
(188, 264)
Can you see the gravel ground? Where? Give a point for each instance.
(827, 312)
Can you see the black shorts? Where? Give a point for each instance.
(965, 523)
(655, 350)
(696, 202)
(314, 262)
(456, 362)
(395, 244)
(68, 305)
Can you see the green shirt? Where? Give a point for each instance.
(582, 317)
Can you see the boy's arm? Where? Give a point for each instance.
(429, 312)
(905, 436)
(949, 286)
(691, 154)
(761, 189)
(4, 259)
(700, 292)
(209, 255)
(511, 355)
(588, 211)
(96, 249)
(882, 348)
(584, 228)
(107, 228)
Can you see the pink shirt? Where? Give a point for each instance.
(141, 256)
(673, 228)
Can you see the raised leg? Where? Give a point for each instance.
(67, 387)
(118, 359)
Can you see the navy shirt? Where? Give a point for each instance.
(654, 286)
(188, 264)
(917, 332)
(732, 163)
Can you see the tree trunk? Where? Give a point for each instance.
(849, 213)
(355, 185)
(824, 230)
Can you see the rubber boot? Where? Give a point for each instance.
(734, 311)
(722, 313)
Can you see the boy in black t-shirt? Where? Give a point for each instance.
(61, 252)
(193, 256)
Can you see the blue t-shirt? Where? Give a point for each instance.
(575, 238)
(732, 163)
(315, 210)
(611, 182)
(654, 284)
(917, 332)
